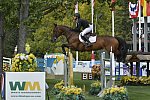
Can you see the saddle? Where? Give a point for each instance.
(90, 36)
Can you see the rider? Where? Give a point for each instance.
(86, 26)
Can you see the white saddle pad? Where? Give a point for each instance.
(92, 39)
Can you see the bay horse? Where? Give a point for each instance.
(118, 45)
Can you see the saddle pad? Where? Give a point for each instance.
(92, 39)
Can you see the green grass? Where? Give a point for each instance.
(138, 92)
(134, 92)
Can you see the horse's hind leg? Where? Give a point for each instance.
(118, 56)
(121, 57)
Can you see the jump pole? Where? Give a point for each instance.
(103, 78)
(65, 71)
(70, 68)
(112, 69)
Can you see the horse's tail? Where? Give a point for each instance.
(123, 48)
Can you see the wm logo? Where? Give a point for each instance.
(24, 86)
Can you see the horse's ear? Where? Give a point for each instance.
(55, 24)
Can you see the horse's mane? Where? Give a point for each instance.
(66, 26)
(70, 29)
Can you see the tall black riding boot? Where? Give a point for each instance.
(83, 37)
(87, 40)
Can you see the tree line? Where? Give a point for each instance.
(31, 21)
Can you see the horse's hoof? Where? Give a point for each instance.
(118, 60)
(123, 60)
(64, 53)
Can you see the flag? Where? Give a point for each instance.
(133, 10)
(112, 6)
(142, 2)
(113, 1)
(92, 58)
(146, 7)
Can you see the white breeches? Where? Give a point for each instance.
(87, 30)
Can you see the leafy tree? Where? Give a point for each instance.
(122, 22)
(5, 7)
(104, 23)
(1, 41)
(9, 9)
(42, 15)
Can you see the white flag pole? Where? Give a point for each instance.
(113, 30)
(92, 13)
(77, 55)
(92, 56)
(112, 61)
(76, 8)
(139, 26)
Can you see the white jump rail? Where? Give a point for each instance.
(7, 60)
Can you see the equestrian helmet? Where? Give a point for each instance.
(77, 15)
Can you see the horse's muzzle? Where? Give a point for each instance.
(52, 40)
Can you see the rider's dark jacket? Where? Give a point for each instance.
(81, 23)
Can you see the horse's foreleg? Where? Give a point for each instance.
(63, 48)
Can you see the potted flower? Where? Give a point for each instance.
(58, 87)
(70, 93)
(115, 93)
(95, 88)
(24, 63)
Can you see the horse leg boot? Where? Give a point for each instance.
(63, 49)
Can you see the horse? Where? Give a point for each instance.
(115, 44)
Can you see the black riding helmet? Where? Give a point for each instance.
(77, 15)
